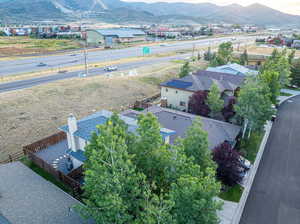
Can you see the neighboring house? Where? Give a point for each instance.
(79, 133)
(218, 131)
(296, 44)
(27, 198)
(108, 37)
(177, 92)
(234, 69)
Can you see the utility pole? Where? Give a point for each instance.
(86, 67)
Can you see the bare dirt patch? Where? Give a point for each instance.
(31, 114)
(17, 46)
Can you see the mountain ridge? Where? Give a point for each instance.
(121, 12)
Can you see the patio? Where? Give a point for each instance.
(56, 155)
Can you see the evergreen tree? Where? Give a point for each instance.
(214, 100)
(244, 58)
(291, 56)
(185, 70)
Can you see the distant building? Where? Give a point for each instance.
(177, 92)
(234, 69)
(108, 37)
(296, 44)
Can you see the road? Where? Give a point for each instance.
(22, 84)
(275, 194)
(27, 65)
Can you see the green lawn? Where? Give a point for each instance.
(285, 94)
(232, 194)
(45, 175)
(249, 147)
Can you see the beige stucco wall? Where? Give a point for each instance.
(175, 96)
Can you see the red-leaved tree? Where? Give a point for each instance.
(229, 165)
(228, 111)
(197, 104)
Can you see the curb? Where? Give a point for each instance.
(243, 200)
(239, 211)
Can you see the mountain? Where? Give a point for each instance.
(139, 12)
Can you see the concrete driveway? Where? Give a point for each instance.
(275, 194)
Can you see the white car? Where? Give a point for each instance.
(110, 68)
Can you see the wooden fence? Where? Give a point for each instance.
(12, 157)
(71, 179)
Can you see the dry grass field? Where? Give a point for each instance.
(259, 50)
(17, 46)
(31, 114)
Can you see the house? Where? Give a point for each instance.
(108, 37)
(234, 69)
(79, 133)
(177, 92)
(218, 131)
(28, 198)
(296, 44)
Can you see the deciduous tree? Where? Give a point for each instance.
(197, 104)
(254, 104)
(295, 75)
(229, 165)
(114, 191)
(196, 145)
(271, 78)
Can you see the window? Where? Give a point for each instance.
(166, 90)
(176, 92)
(182, 103)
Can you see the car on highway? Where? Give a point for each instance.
(110, 68)
(41, 64)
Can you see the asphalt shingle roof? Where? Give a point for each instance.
(27, 198)
(218, 131)
(203, 80)
(88, 125)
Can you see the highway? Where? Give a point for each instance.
(27, 65)
(27, 83)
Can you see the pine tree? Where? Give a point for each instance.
(185, 70)
(214, 100)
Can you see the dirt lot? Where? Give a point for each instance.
(16, 46)
(254, 49)
(31, 114)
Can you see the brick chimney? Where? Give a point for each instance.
(164, 102)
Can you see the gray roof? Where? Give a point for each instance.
(234, 69)
(203, 80)
(88, 125)
(121, 32)
(27, 198)
(218, 131)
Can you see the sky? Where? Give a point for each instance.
(288, 6)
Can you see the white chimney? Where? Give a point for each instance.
(72, 124)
